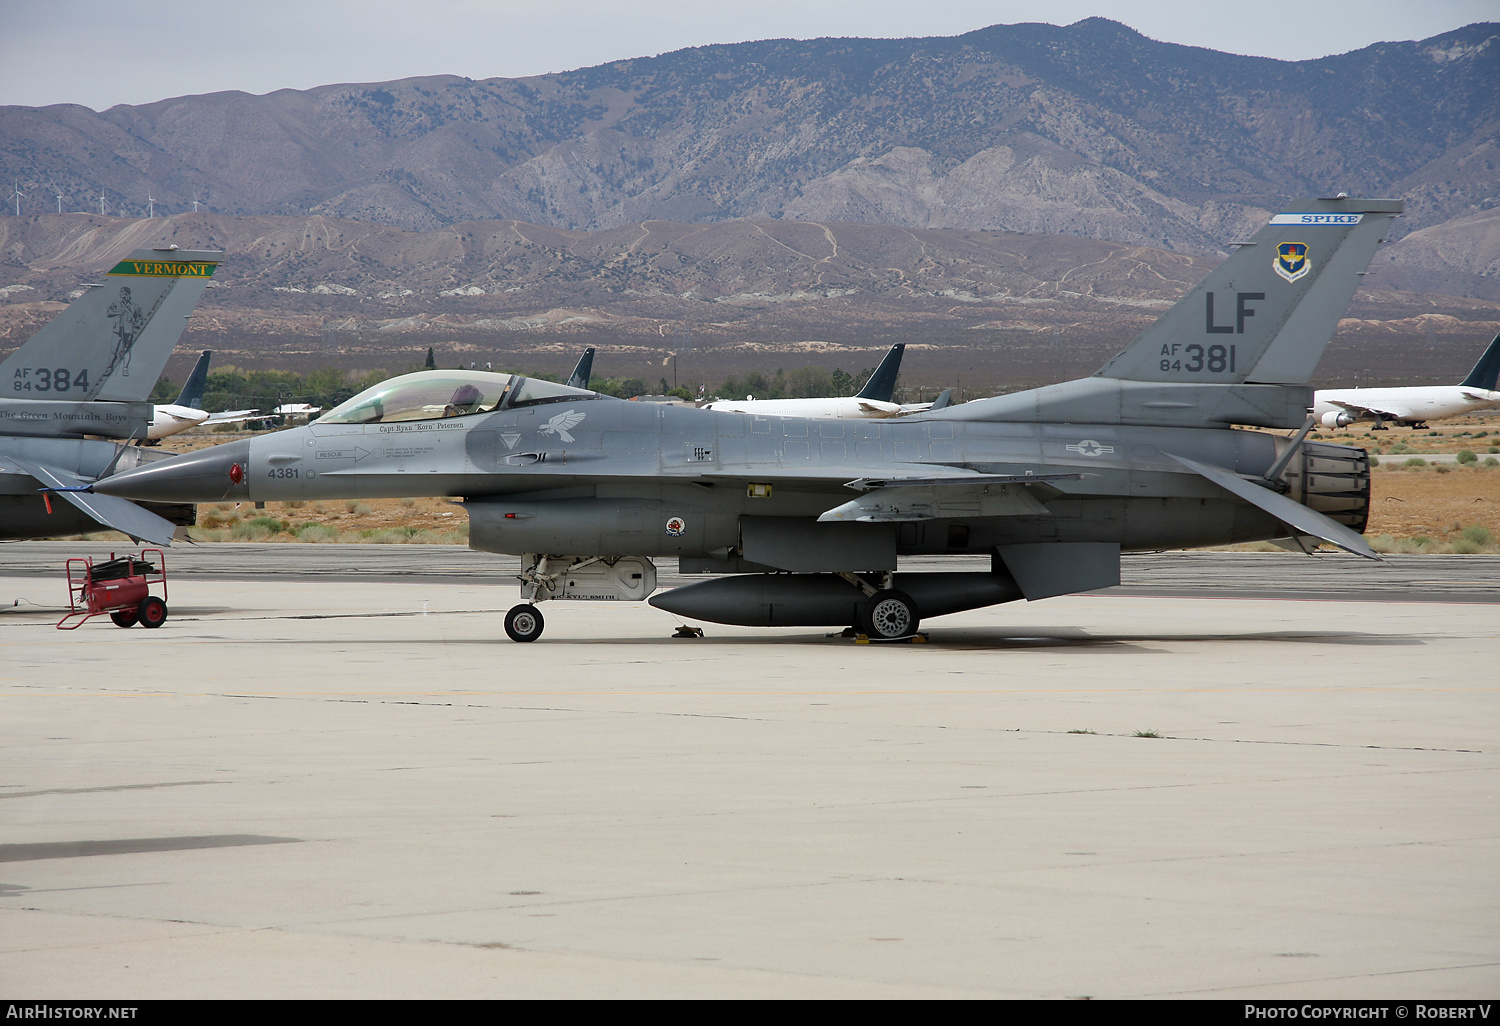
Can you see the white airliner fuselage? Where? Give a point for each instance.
(170, 418)
(815, 409)
(1413, 404)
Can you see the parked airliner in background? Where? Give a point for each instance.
(1412, 405)
(187, 410)
(874, 400)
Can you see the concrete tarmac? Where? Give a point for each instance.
(342, 788)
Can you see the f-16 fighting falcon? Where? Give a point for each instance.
(85, 377)
(806, 518)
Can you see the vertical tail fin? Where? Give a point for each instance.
(192, 392)
(1487, 371)
(882, 384)
(113, 341)
(585, 368)
(1265, 315)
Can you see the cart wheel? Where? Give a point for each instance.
(123, 617)
(152, 611)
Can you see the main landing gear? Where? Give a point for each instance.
(889, 614)
(524, 622)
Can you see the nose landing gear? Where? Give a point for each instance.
(524, 622)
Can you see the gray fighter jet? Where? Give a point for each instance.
(83, 379)
(806, 518)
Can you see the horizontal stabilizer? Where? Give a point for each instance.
(1291, 513)
(117, 514)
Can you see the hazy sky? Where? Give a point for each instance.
(103, 52)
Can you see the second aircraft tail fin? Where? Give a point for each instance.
(113, 341)
(582, 372)
(192, 392)
(1487, 371)
(882, 384)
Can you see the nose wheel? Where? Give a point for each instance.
(524, 622)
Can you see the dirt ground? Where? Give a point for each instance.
(1428, 502)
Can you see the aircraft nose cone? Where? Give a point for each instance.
(209, 475)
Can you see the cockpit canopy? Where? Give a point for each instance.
(433, 395)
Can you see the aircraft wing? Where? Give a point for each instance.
(1387, 410)
(867, 484)
(232, 416)
(1300, 518)
(913, 491)
(942, 402)
(867, 477)
(178, 418)
(902, 499)
(117, 514)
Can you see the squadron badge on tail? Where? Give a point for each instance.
(1291, 260)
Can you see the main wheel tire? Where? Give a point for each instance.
(152, 611)
(890, 614)
(123, 617)
(524, 622)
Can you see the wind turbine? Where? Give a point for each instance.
(101, 202)
(19, 196)
(150, 204)
(59, 202)
(195, 202)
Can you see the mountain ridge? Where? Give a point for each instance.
(1091, 130)
(999, 307)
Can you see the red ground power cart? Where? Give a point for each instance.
(120, 587)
